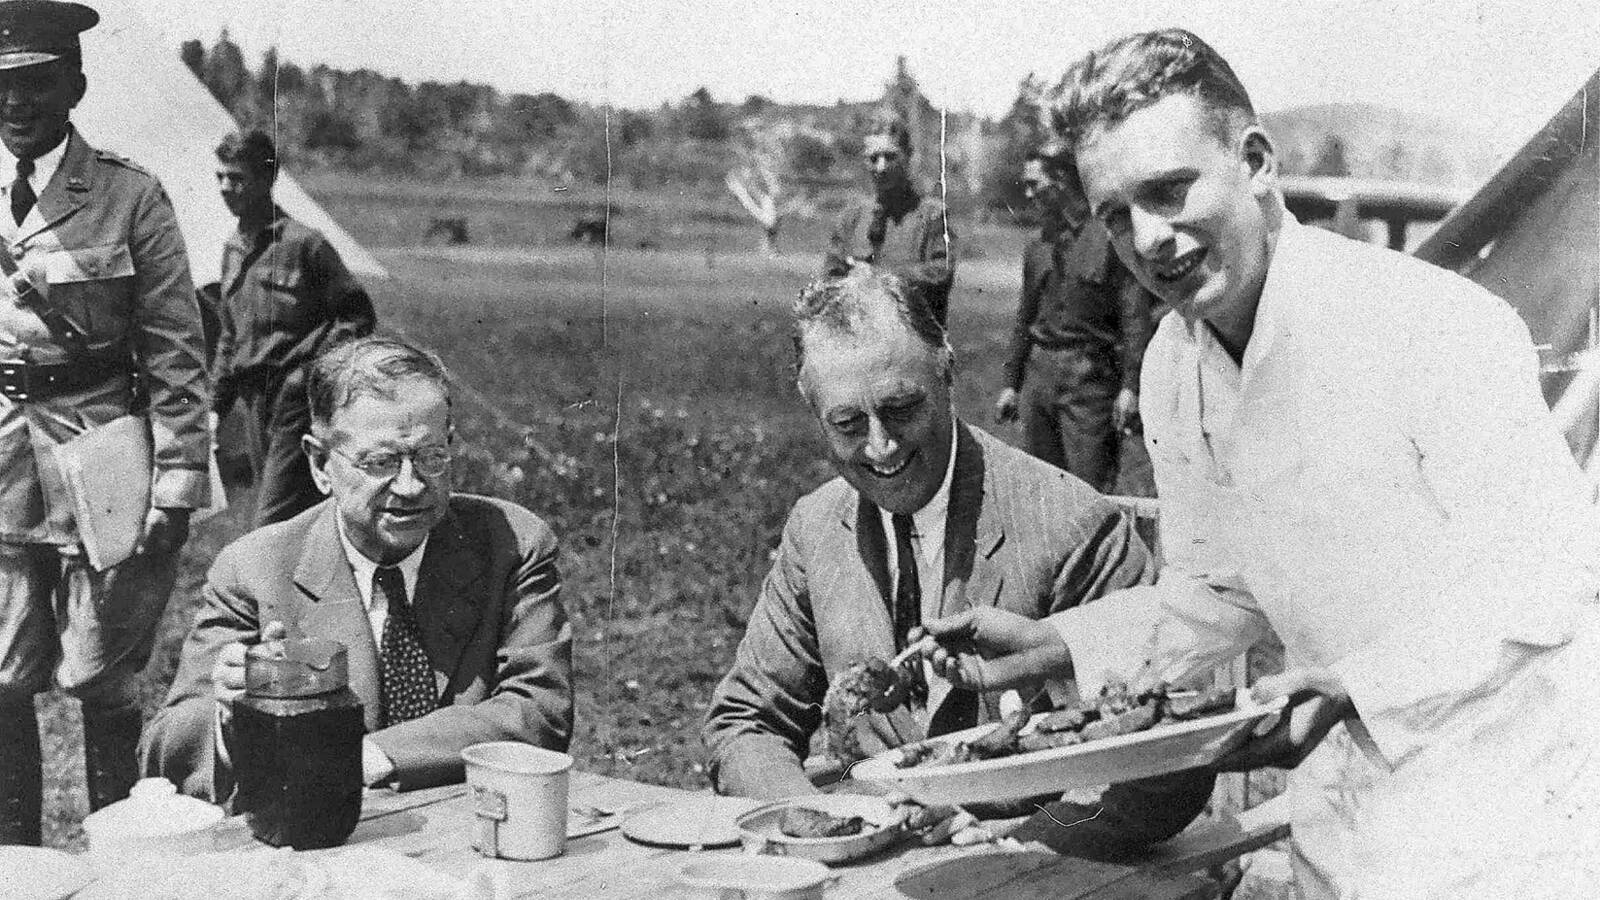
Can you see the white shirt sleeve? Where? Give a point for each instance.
(1197, 615)
(1182, 627)
(1516, 505)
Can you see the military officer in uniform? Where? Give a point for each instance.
(101, 308)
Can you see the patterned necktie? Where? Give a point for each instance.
(907, 599)
(22, 197)
(405, 679)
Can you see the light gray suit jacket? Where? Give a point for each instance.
(488, 604)
(1020, 534)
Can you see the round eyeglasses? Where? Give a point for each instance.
(427, 462)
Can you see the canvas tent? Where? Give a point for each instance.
(1532, 235)
(144, 103)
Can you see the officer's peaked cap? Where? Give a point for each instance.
(41, 31)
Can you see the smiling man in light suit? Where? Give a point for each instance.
(929, 516)
(449, 603)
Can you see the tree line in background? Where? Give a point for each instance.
(328, 118)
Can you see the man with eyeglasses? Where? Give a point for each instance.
(899, 231)
(284, 296)
(448, 603)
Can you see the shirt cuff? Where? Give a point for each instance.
(1109, 637)
(376, 766)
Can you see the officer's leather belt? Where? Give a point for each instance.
(26, 382)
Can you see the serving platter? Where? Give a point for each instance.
(1168, 747)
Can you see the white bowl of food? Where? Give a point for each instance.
(828, 828)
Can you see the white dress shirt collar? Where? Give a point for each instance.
(929, 523)
(364, 568)
(44, 167)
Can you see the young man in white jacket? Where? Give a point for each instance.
(1351, 450)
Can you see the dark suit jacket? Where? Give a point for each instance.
(488, 603)
(1020, 534)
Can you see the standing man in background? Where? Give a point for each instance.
(899, 231)
(97, 298)
(1080, 333)
(286, 296)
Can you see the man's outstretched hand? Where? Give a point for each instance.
(1317, 702)
(989, 649)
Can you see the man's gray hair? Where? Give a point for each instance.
(1108, 85)
(842, 304)
(367, 365)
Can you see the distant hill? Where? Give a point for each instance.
(1372, 141)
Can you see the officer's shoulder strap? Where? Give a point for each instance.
(117, 159)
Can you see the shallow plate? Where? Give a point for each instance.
(759, 831)
(40, 873)
(756, 876)
(702, 822)
(1162, 749)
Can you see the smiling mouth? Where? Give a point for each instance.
(1179, 269)
(405, 515)
(890, 472)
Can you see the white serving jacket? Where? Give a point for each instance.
(1381, 485)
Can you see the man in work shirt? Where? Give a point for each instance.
(285, 297)
(1080, 331)
(899, 230)
(97, 241)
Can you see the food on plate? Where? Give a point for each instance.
(1117, 711)
(863, 687)
(1184, 707)
(1001, 741)
(804, 822)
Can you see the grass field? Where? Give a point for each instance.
(641, 401)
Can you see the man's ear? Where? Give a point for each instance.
(1260, 159)
(317, 455)
(80, 86)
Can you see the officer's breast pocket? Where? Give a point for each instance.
(90, 284)
(80, 264)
